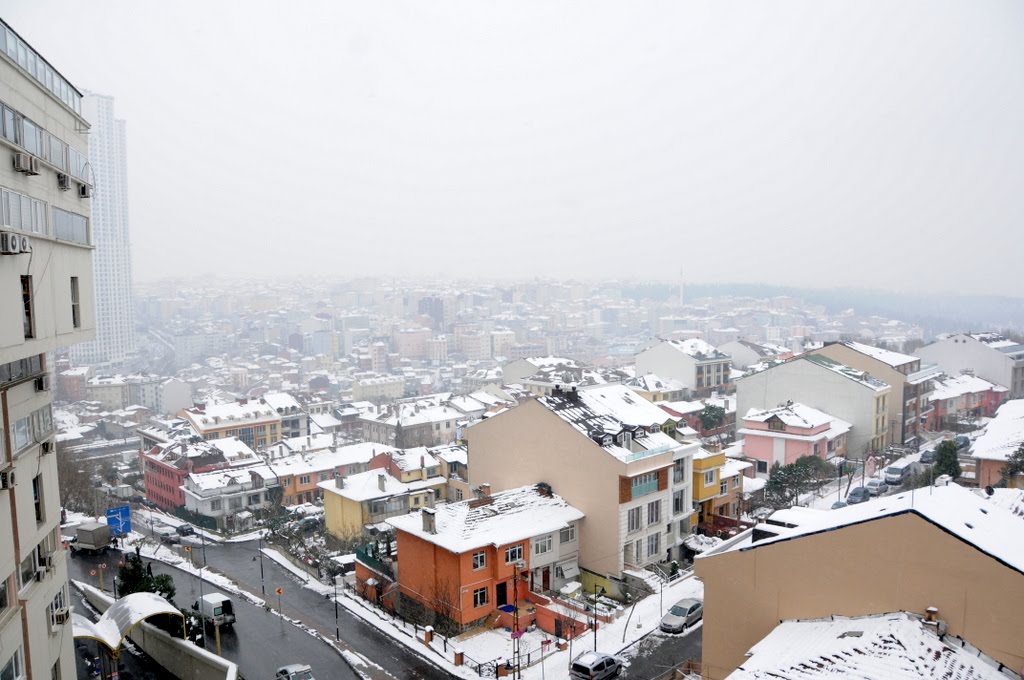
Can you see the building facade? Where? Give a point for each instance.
(46, 302)
(112, 257)
(699, 366)
(986, 355)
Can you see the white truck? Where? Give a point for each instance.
(215, 609)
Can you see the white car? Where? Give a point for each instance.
(294, 671)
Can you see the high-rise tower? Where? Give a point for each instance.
(112, 258)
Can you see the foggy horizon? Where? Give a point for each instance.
(812, 145)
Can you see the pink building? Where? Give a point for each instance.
(785, 433)
(965, 396)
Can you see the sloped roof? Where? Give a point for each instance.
(886, 356)
(895, 646)
(1003, 434)
(500, 519)
(793, 415)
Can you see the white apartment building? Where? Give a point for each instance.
(986, 355)
(112, 257)
(695, 363)
(46, 302)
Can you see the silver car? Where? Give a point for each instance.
(294, 671)
(682, 614)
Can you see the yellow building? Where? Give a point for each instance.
(356, 502)
(717, 484)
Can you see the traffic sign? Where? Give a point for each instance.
(103, 566)
(279, 591)
(92, 572)
(120, 520)
(188, 548)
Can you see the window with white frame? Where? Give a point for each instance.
(5, 594)
(215, 504)
(480, 597)
(679, 502)
(568, 534)
(60, 601)
(13, 670)
(709, 478)
(653, 545)
(479, 559)
(27, 571)
(723, 488)
(304, 479)
(513, 553)
(654, 512)
(254, 499)
(542, 545)
(633, 519)
(234, 503)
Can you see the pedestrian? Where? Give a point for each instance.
(149, 568)
(138, 551)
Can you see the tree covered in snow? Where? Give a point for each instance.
(1014, 464)
(134, 577)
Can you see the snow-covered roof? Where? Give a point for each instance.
(951, 388)
(322, 460)
(608, 411)
(652, 383)
(499, 519)
(988, 527)
(896, 646)
(374, 484)
(793, 415)
(697, 349)
(232, 413)
(862, 377)
(282, 402)
(1003, 434)
(886, 356)
(222, 479)
(455, 453)
(994, 340)
(411, 414)
(734, 467)
(230, 451)
(123, 615)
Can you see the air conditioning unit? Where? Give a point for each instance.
(63, 181)
(47, 446)
(42, 383)
(84, 191)
(25, 243)
(7, 479)
(10, 243)
(23, 163)
(35, 166)
(61, 616)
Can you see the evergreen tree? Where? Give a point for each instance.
(946, 460)
(1014, 464)
(133, 577)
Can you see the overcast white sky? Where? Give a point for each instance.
(810, 143)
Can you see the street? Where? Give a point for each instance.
(261, 641)
(660, 652)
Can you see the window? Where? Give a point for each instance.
(654, 512)
(480, 597)
(653, 545)
(513, 553)
(215, 504)
(776, 424)
(542, 545)
(27, 570)
(762, 466)
(679, 471)
(12, 670)
(76, 314)
(633, 519)
(639, 549)
(234, 503)
(304, 479)
(60, 601)
(568, 534)
(37, 497)
(723, 488)
(254, 499)
(678, 502)
(69, 226)
(709, 478)
(5, 599)
(26, 307)
(641, 485)
(479, 560)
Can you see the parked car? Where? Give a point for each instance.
(684, 613)
(595, 666)
(877, 487)
(962, 442)
(294, 671)
(838, 504)
(167, 534)
(858, 494)
(928, 457)
(185, 530)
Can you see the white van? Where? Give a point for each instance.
(216, 609)
(897, 472)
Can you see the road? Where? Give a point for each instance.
(261, 641)
(660, 652)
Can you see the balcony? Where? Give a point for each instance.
(640, 490)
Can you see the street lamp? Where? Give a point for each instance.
(596, 596)
(263, 588)
(337, 630)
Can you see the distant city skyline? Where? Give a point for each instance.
(810, 144)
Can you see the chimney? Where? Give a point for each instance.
(339, 481)
(429, 524)
(485, 490)
(382, 481)
(423, 462)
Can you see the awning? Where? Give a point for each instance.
(568, 569)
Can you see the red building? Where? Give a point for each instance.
(165, 467)
(963, 397)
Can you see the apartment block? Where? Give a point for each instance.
(46, 302)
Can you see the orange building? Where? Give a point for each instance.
(465, 560)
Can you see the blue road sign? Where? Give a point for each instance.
(120, 520)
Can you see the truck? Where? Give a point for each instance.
(92, 537)
(215, 609)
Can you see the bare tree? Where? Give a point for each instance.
(446, 602)
(76, 489)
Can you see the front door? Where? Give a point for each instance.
(546, 578)
(501, 593)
